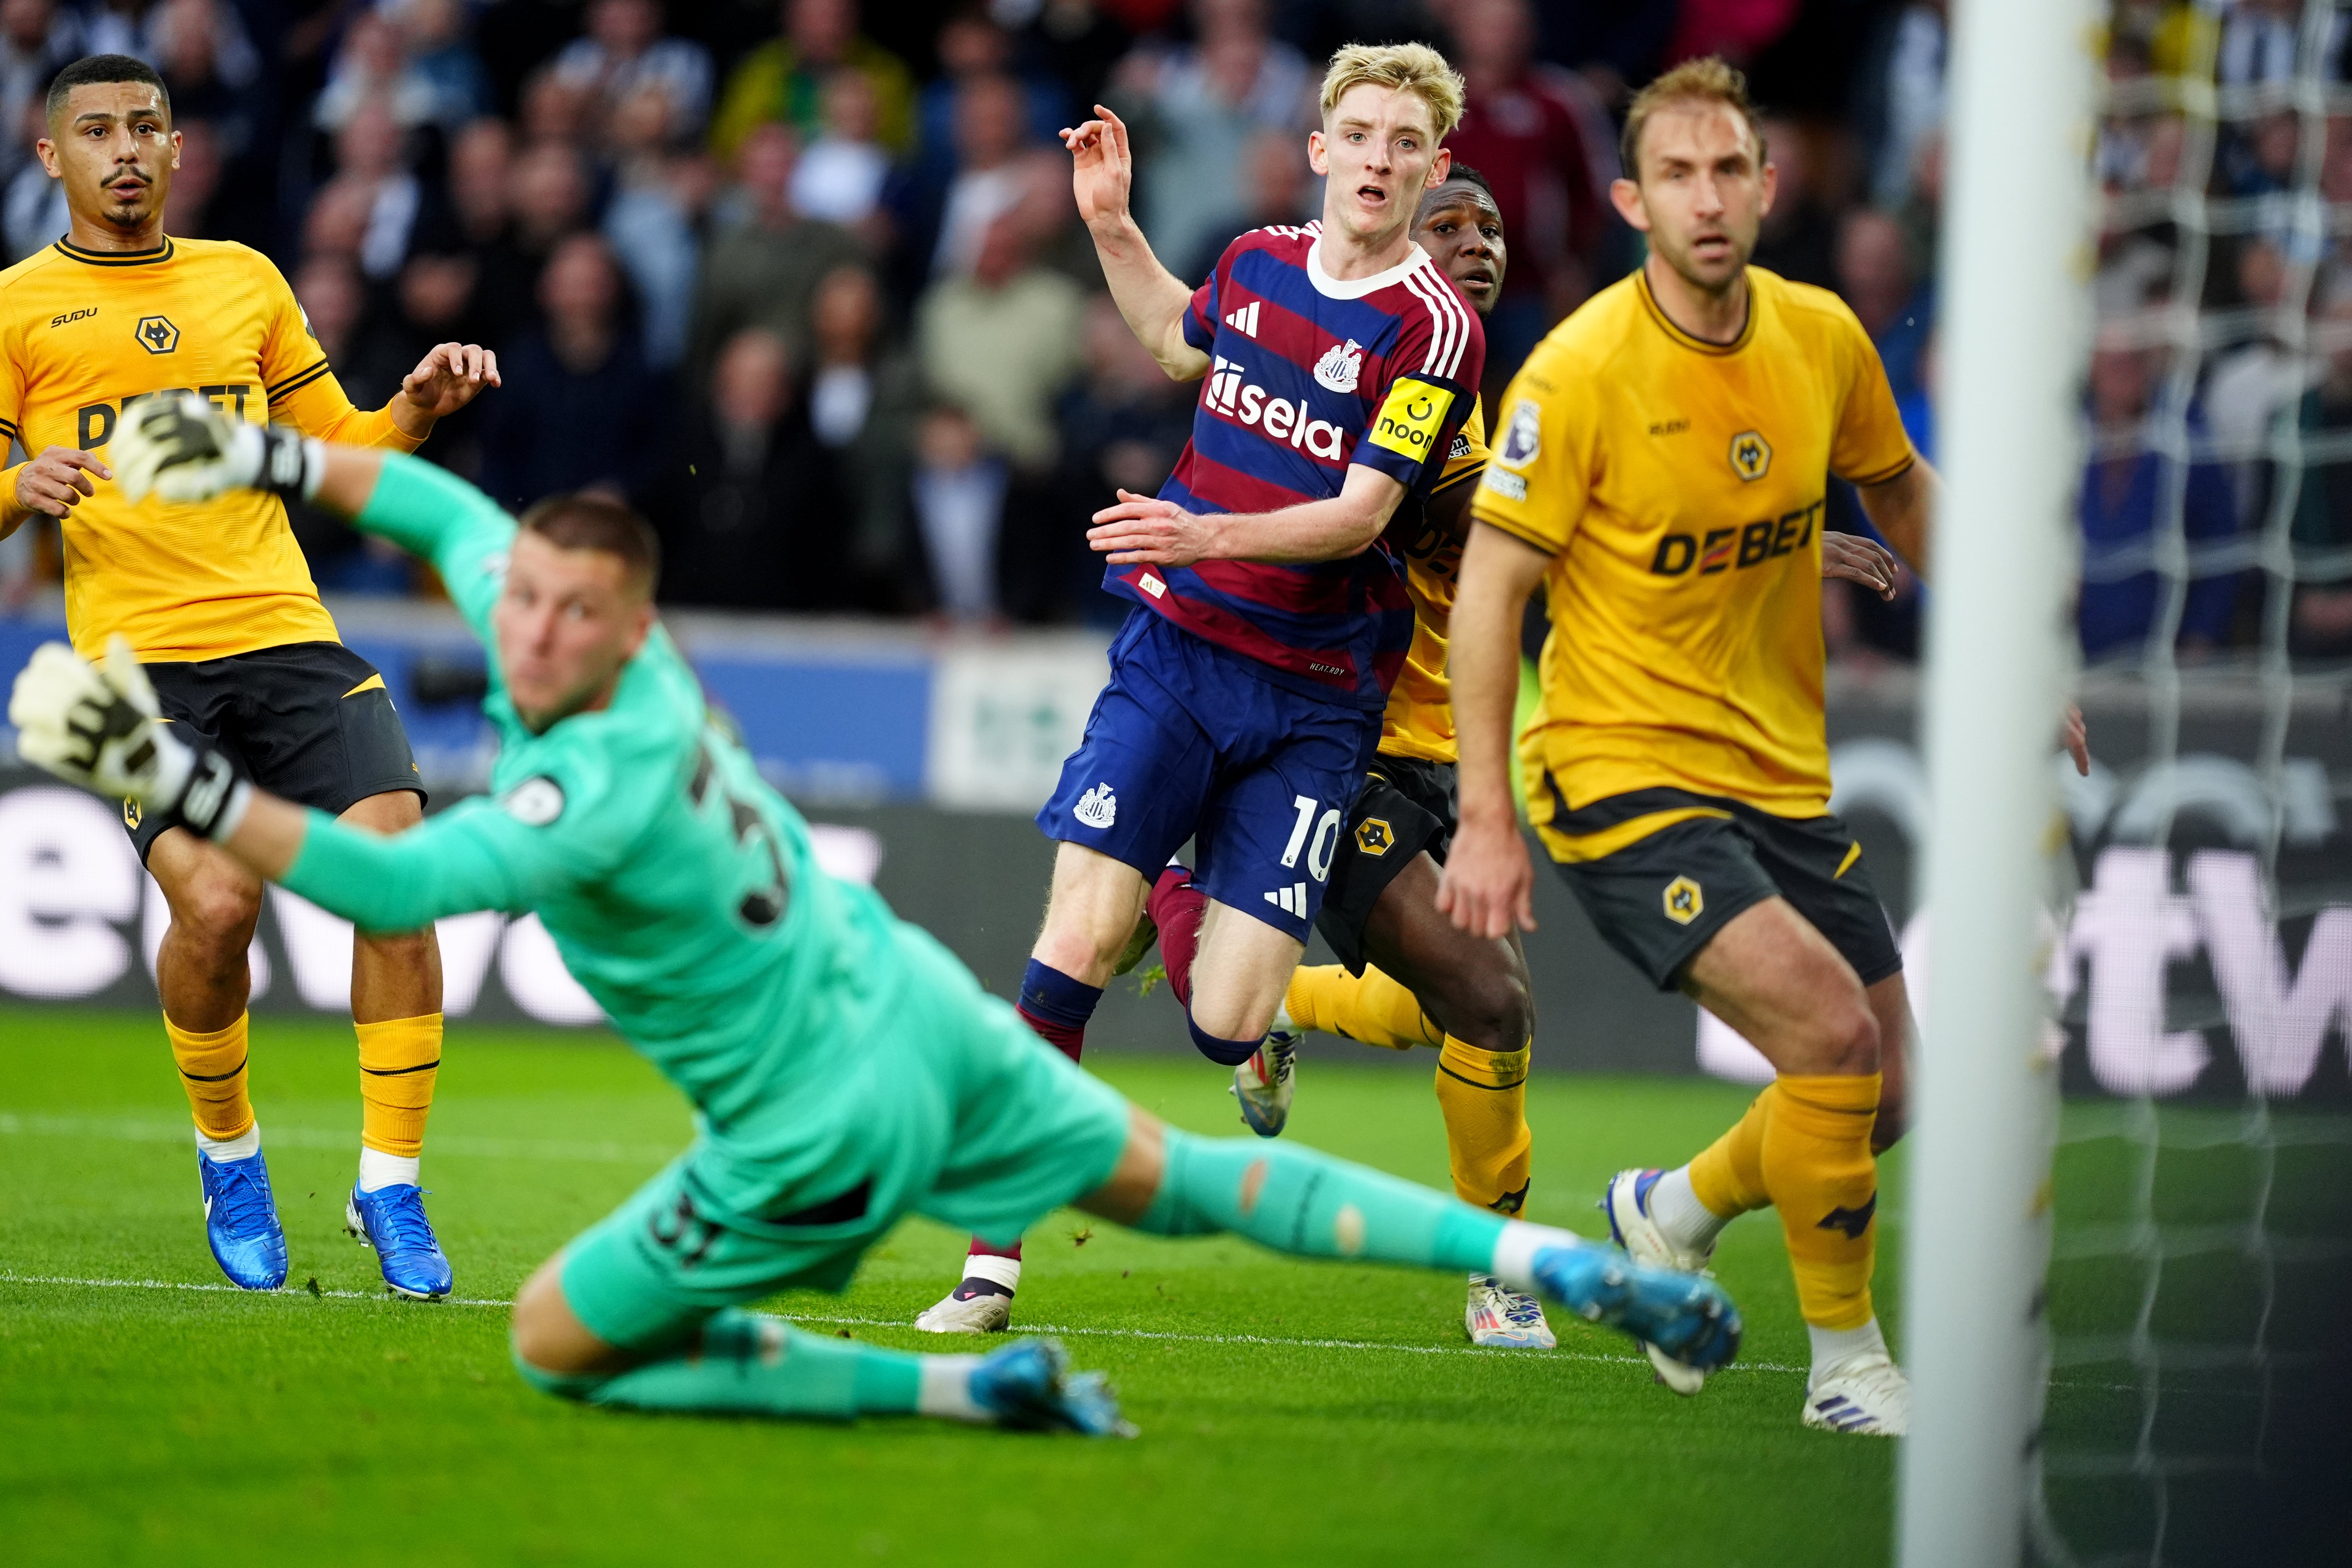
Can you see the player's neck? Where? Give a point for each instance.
(87, 233)
(1345, 257)
(1708, 316)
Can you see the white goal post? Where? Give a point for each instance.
(2015, 328)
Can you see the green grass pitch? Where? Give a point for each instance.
(1291, 1412)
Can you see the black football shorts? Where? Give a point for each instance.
(1661, 898)
(309, 721)
(1404, 806)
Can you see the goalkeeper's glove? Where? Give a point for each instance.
(98, 727)
(184, 449)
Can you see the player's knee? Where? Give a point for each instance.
(218, 906)
(1488, 1005)
(1847, 1039)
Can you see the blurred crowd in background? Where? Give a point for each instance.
(804, 280)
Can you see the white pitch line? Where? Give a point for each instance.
(1270, 1341)
(138, 1130)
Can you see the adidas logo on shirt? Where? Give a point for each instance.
(1291, 900)
(1245, 320)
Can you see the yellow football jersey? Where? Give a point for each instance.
(1419, 721)
(1678, 487)
(85, 334)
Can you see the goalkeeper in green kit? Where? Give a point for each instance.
(846, 1069)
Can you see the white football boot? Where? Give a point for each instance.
(987, 1312)
(1866, 1395)
(1264, 1083)
(1626, 1203)
(1499, 1318)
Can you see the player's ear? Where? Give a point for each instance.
(175, 149)
(1439, 167)
(1772, 187)
(47, 151)
(1317, 158)
(1625, 195)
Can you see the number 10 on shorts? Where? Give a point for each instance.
(1326, 842)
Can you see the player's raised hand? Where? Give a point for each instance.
(1102, 168)
(1486, 886)
(98, 726)
(1147, 530)
(56, 482)
(448, 377)
(1859, 560)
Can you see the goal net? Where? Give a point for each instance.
(2183, 1377)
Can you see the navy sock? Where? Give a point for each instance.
(1057, 1007)
(1223, 1052)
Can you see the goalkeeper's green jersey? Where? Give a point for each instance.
(678, 887)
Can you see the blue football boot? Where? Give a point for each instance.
(1687, 1316)
(392, 1220)
(241, 1221)
(1028, 1385)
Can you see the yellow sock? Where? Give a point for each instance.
(399, 1059)
(1483, 1098)
(1818, 1167)
(1370, 1007)
(1727, 1176)
(211, 1069)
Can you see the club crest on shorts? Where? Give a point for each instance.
(1751, 455)
(1098, 807)
(1374, 836)
(1685, 900)
(156, 334)
(130, 813)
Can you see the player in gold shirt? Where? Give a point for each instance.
(1661, 467)
(219, 605)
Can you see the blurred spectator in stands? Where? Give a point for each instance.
(1000, 342)
(2126, 490)
(186, 35)
(2258, 158)
(556, 111)
(481, 162)
(333, 299)
(958, 493)
(840, 175)
(763, 263)
(2250, 383)
(441, 56)
(1074, 42)
(1900, 96)
(2322, 624)
(1874, 273)
(746, 500)
(1277, 188)
(1122, 425)
(586, 412)
(337, 222)
(864, 397)
(372, 67)
(1799, 239)
(1198, 106)
(36, 38)
(2259, 40)
(371, 156)
(1543, 137)
(197, 182)
(782, 80)
(971, 44)
(996, 166)
(624, 52)
(650, 220)
(33, 212)
(547, 200)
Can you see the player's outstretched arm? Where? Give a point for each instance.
(1903, 510)
(1148, 531)
(1488, 884)
(1152, 299)
(97, 727)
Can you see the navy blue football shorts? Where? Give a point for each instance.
(1188, 741)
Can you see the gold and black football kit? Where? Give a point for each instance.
(1677, 766)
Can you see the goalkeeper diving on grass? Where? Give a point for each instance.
(846, 1069)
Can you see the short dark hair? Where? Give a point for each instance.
(92, 71)
(593, 522)
(1461, 174)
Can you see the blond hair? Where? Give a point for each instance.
(1704, 80)
(1416, 68)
